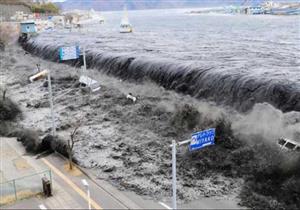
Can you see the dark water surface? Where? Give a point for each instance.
(236, 60)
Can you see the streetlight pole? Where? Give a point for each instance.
(174, 203)
(86, 184)
(51, 104)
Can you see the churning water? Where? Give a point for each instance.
(236, 60)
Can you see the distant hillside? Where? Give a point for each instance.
(26, 3)
(138, 4)
(9, 8)
(104, 5)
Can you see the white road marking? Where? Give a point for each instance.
(165, 205)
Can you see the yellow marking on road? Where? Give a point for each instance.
(71, 184)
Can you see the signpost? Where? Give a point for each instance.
(198, 141)
(69, 53)
(202, 139)
(72, 52)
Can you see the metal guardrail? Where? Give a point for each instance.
(23, 187)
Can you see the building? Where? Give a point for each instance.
(28, 27)
(41, 1)
(9, 10)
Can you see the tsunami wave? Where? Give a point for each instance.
(202, 82)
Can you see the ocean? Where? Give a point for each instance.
(236, 60)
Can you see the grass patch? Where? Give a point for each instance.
(74, 172)
(10, 199)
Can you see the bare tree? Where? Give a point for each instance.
(71, 142)
(4, 94)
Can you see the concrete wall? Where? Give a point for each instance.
(6, 11)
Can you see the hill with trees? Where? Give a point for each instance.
(34, 7)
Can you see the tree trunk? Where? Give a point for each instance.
(4, 95)
(70, 159)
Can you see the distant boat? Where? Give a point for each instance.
(90, 19)
(93, 15)
(125, 26)
(254, 10)
(281, 8)
(285, 11)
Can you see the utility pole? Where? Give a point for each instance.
(51, 104)
(84, 60)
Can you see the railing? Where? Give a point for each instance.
(23, 187)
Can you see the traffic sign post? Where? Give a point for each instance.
(198, 141)
(69, 53)
(202, 139)
(84, 60)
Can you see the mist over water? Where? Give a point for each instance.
(236, 60)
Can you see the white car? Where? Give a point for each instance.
(288, 144)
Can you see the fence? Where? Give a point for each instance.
(23, 187)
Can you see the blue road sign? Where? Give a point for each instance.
(202, 139)
(69, 53)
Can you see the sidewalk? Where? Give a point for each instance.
(15, 163)
(68, 190)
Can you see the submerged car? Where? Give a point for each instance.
(288, 144)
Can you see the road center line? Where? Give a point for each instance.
(71, 184)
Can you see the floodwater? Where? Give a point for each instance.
(237, 60)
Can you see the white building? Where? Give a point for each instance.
(41, 1)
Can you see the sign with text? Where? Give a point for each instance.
(69, 53)
(202, 139)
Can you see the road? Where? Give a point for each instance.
(68, 190)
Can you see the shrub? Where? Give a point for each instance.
(45, 8)
(30, 139)
(8, 110)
